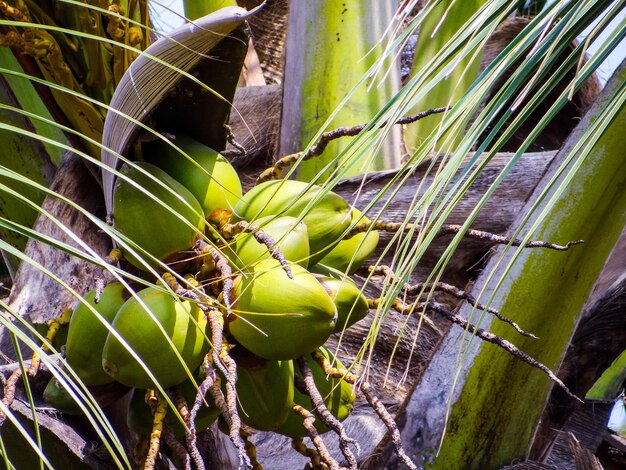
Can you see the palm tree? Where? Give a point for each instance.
(489, 400)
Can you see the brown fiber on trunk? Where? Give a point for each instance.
(269, 30)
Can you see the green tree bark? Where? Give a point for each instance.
(497, 399)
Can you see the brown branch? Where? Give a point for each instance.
(232, 420)
(54, 326)
(393, 227)
(463, 295)
(221, 360)
(222, 266)
(239, 151)
(422, 288)
(190, 428)
(140, 450)
(297, 443)
(203, 388)
(177, 448)
(308, 423)
(492, 237)
(9, 392)
(401, 307)
(498, 341)
(251, 451)
(389, 422)
(320, 409)
(11, 384)
(372, 400)
(158, 405)
(227, 404)
(276, 171)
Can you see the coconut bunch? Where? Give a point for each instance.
(229, 300)
(233, 297)
(258, 279)
(280, 243)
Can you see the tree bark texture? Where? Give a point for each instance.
(37, 296)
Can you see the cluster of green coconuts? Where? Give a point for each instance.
(274, 318)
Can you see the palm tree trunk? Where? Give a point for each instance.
(483, 413)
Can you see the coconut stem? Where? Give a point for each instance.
(276, 171)
(140, 450)
(54, 326)
(190, 427)
(318, 442)
(389, 422)
(9, 392)
(373, 401)
(10, 385)
(324, 414)
(387, 226)
(240, 150)
(158, 405)
(297, 443)
(228, 407)
(401, 307)
(222, 266)
(231, 402)
(178, 449)
(251, 451)
(203, 389)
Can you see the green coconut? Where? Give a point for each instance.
(140, 217)
(87, 333)
(56, 396)
(326, 220)
(350, 254)
(350, 302)
(279, 318)
(338, 397)
(290, 235)
(265, 390)
(182, 322)
(206, 174)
